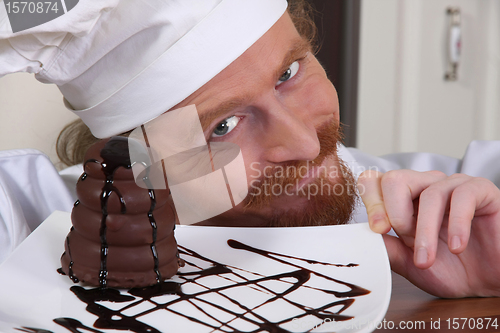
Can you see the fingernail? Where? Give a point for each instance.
(421, 256)
(377, 223)
(455, 243)
(380, 224)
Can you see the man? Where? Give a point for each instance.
(281, 98)
(275, 102)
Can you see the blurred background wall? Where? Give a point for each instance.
(31, 114)
(404, 102)
(387, 59)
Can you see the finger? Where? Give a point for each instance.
(432, 206)
(466, 199)
(399, 254)
(371, 193)
(400, 188)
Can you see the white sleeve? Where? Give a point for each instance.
(70, 177)
(34, 49)
(30, 190)
(482, 159)
(13, 226)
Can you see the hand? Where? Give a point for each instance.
(448, 228)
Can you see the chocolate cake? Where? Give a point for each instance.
(122, 234)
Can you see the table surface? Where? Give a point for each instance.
(417, 308)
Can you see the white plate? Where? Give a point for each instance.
(260, 287)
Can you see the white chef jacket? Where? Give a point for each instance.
(31, 188)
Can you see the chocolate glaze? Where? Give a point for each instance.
(122, 234)
(296, 277)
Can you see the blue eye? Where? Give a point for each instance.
(225, 126)
(289, 73)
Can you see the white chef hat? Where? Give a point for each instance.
(142, 57)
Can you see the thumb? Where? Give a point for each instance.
(370, 191)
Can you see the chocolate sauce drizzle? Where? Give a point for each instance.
(155, 231)
(197, 269)
(115, 155)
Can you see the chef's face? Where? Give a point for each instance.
(276, 103)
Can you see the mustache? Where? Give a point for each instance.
(290, 173)
(331, 209)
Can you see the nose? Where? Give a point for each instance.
(288, 133)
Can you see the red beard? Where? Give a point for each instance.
(331, 196)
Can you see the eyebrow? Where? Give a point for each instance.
(299, 49)
(222, 109)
